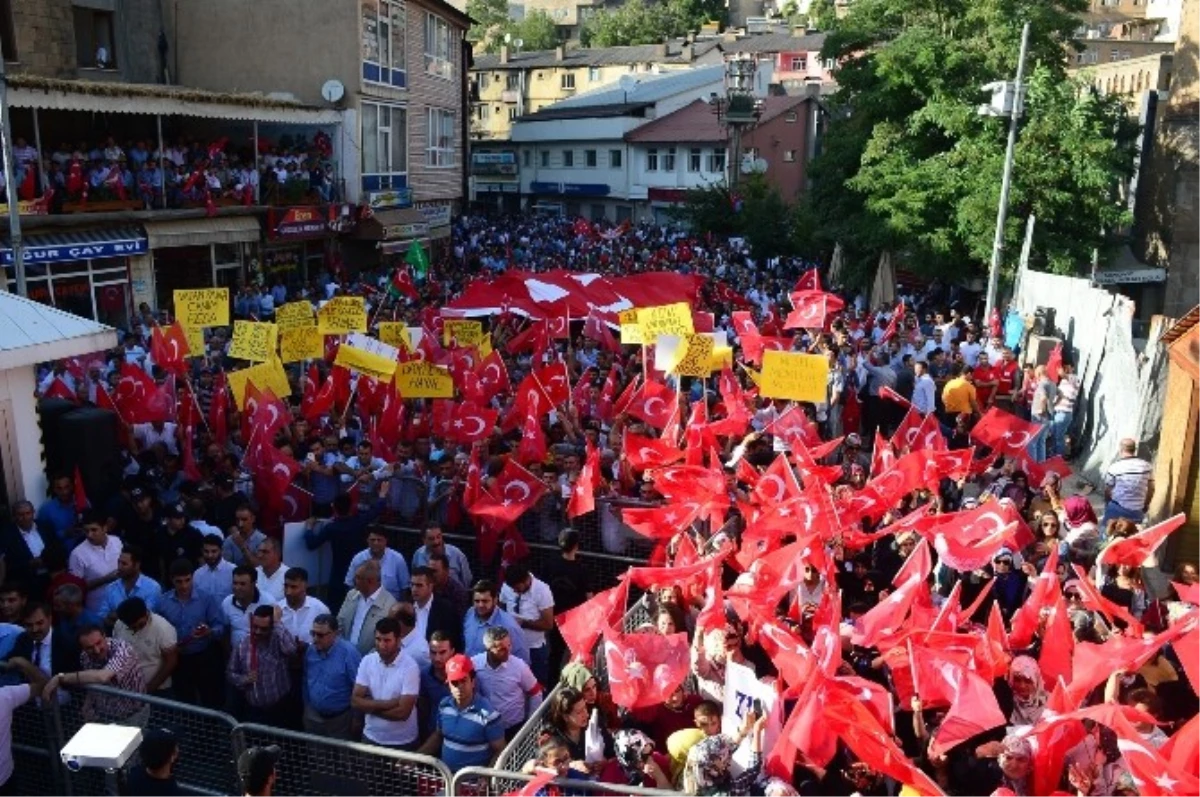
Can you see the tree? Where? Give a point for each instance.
(536, 31)
(822, 15)
(909, 166)
(754, 210)
(633, 22)
(491, 18)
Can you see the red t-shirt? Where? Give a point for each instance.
(1006, 375)
(984, 373)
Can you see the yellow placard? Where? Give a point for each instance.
(631, 333)
(342, 315)
(264, 375)
(395, 333)
(195, 340)
(697, 356)
(254, 341)
(419, 379)
(794, 376)
(666, 319)
(295, 315)
(722, 357)
(461, 332)
(206, 307)
(485, 346)
(302, 343)
(365, 362)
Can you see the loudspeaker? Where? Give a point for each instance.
(51, 412)
(1043, 321)
(1037, 350)
(88, 439)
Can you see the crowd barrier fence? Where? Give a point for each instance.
(482, 782)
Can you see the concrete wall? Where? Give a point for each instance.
(45, 34)
(774, 139)
(20, 435)
(267, 45)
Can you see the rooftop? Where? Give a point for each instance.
(669, 53)
(35, 333)
(645, 89)
(775, 43)
(696, 123)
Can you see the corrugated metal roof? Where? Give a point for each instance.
(647, 88)
(1180, 327)
(34, 333)
(775, 43)
(596, 56)
(696, 122)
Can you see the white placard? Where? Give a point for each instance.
(742, 688)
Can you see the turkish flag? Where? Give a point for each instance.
(891, 395)
(777, 484)
(471, 423)
(1054, 363)
(58, 389)
(218, 410)
(973, 707)
(810, 309)
(580, 393)
(645, 669)
(555, 382)
(644, 453)
(583, 494)
(655, 403)
(1093, 600)
(905, 436)
(532, 447)
(1093, 663)
(493, 376)
(516, 492)
(1183, 748)
(134, 389)
(274, 468)
(626, 398)
(929, 436)
(882, 456)
(391, 419)
(918, 564)
(1134, 551)
(887, 617)
(1025, 620)
(1004, 432)
(968, 540)
(809, 281)
(608, 394)
(597, 329)
(270, 415)
(169, 348)
(160, 404)
(1153, 773)
(660, 522)
(1058, 643)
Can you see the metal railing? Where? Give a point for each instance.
(483, 782)
(524, 744)
(209, 745)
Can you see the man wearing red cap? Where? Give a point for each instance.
(469, 732)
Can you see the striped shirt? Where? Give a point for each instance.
(468, 733)
(1128, 480)
(122, 661)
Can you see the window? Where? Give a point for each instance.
(383, 29)
(589, 158)
(1115, 56)
(669, 160)
(384, 142)
(540, 75)
(652, 160)
(716, 161)
(830, 64)
(94, 39)
(568, 81)
(799, 63)
(790, 117)
(483, 82)
(513, 82)
(568, 158)
(439, 47)
(789, 156)
(8, 34)
(483, 112)
(439, 151)
(526, 157)
(512, 113)
(614, 159)
(694, 159)
(544, 155)
(593, 74)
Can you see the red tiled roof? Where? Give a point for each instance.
(696, 123)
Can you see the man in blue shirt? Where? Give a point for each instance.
(199, 625)
(468, 731)
(130, 583)
(485, 613)
(344, 534)
(58, 514)
(330, 667)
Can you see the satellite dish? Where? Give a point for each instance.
(628, 83)
(333, 90)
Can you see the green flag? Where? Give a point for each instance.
(417, 258)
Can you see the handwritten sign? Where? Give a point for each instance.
(264, 375)
(461, 332)
(485, 346)
(794, 376)
(195, 340)
(254, 341)
(722, 357)
(395, 333)
(368, 356)
(667, 319)
(631, 333)
(697, 356)
(419, 379)
(294, 315)
(302, 343)
(342, 314)
(206, 307)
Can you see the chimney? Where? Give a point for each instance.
(663, 49)
(560, 52)
(504, 53)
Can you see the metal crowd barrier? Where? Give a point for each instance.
(524, 744)
(483, 782)
(209, 744)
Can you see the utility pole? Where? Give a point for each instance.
(1006, 183)
(10, 188)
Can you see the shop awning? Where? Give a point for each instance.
(393, 225)
(59, 247)
(202, 232)
(35, 333)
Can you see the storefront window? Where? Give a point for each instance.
(95, 289)
(283, 263)
(74, 294)
(112, 304)
(227, 255)
(38, 290)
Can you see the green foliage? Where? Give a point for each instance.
(491, 18)
(764, 219)
(537, 31)
(822, 15)
(638, 22)
(908, 165)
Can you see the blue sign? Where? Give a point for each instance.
(570, 189)
(60, 253)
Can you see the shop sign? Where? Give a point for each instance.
(497, 188)
(53, 253)
(395, 198)
(436, 215)
(570, 189)
(1130, 276)
(494, 163)
(298, 222)
(414, 230)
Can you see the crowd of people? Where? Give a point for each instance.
(911, 645)
(186, 173)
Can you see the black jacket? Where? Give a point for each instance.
(443, 617)
(64, 651)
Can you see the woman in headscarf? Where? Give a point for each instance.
(636, 762)
(580, 678)
(1082, 531)
(709, 771)
(1028, 689)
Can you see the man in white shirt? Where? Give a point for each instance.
(95, 560)
(271, 571)
(154, 641)
(393, 569)
(504, 680)
(1128, 486)
(215, 575)
(970, 348)
(531, 603)
(298, 608)
(386, 691)
(11, 698)
(412, 642)
(924, 397)
(164, 433)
